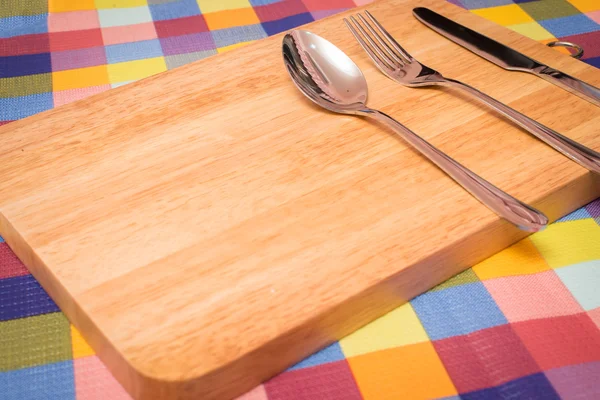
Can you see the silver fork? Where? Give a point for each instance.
(401, 67)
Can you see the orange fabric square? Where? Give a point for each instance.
(70, 5)
(229, 18)
(407, 372)
(522, 258)
(128, 33)
(80, 347)
(80, 78)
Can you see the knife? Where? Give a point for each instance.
(504, 56)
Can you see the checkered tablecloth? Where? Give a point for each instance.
(523, 324)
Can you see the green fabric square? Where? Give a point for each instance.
(467, 276)
(549, 9)
(33, 341)
(25, 85)
(15, 8)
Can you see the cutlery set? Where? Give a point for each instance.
(329, 78)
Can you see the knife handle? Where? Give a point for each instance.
(577, 152)
(570, 84)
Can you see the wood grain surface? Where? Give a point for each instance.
(208, 227)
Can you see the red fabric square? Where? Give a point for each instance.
(10, 265)
(25, 44)
(589, 41)
(560, 341)
(71, 40)
(485, 358)
(279, 10)
(180, 26)
(318, 5)
(330, 380)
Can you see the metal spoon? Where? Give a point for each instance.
(329, 78)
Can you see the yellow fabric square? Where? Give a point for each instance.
(103, 4)
(79, 78)
(207, 6)
(586, 5)
(519, 259)
(134, 70)
(507, 15)
(532, 30)
(409, 372)
(80, 346)
(399, 327)
(567, 243)
(232, 46)
(70, 5)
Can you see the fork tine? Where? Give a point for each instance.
(392, 41)
(378, 58)
(372, 45)
(383, 44)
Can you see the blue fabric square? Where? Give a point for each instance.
(535, 386)
(255, 3)
(329, 354)
(13, 108)
(229, 36)
(571, 25)
(175, 9)
(28, 64)
(594, 61)
(280, 25)
(23, 25)
(133, 51)
(1, 239)
(582, 213)
(46, 382)
(22, 296)
(474, 4)
(457, 310)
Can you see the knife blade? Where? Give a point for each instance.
(504, 56)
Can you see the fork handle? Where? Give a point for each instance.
(503, 204)
(577, 152)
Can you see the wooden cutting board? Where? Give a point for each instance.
(208, 227)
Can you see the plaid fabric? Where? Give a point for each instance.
(522, 324)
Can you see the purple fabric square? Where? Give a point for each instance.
(187, 43)
(22, 296)
(594, 208)
(71, 59)
(576, 381)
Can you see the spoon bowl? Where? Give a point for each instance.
(324, 73)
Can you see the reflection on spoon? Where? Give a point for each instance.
(328, 77)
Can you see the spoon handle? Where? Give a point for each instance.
(503, 204)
